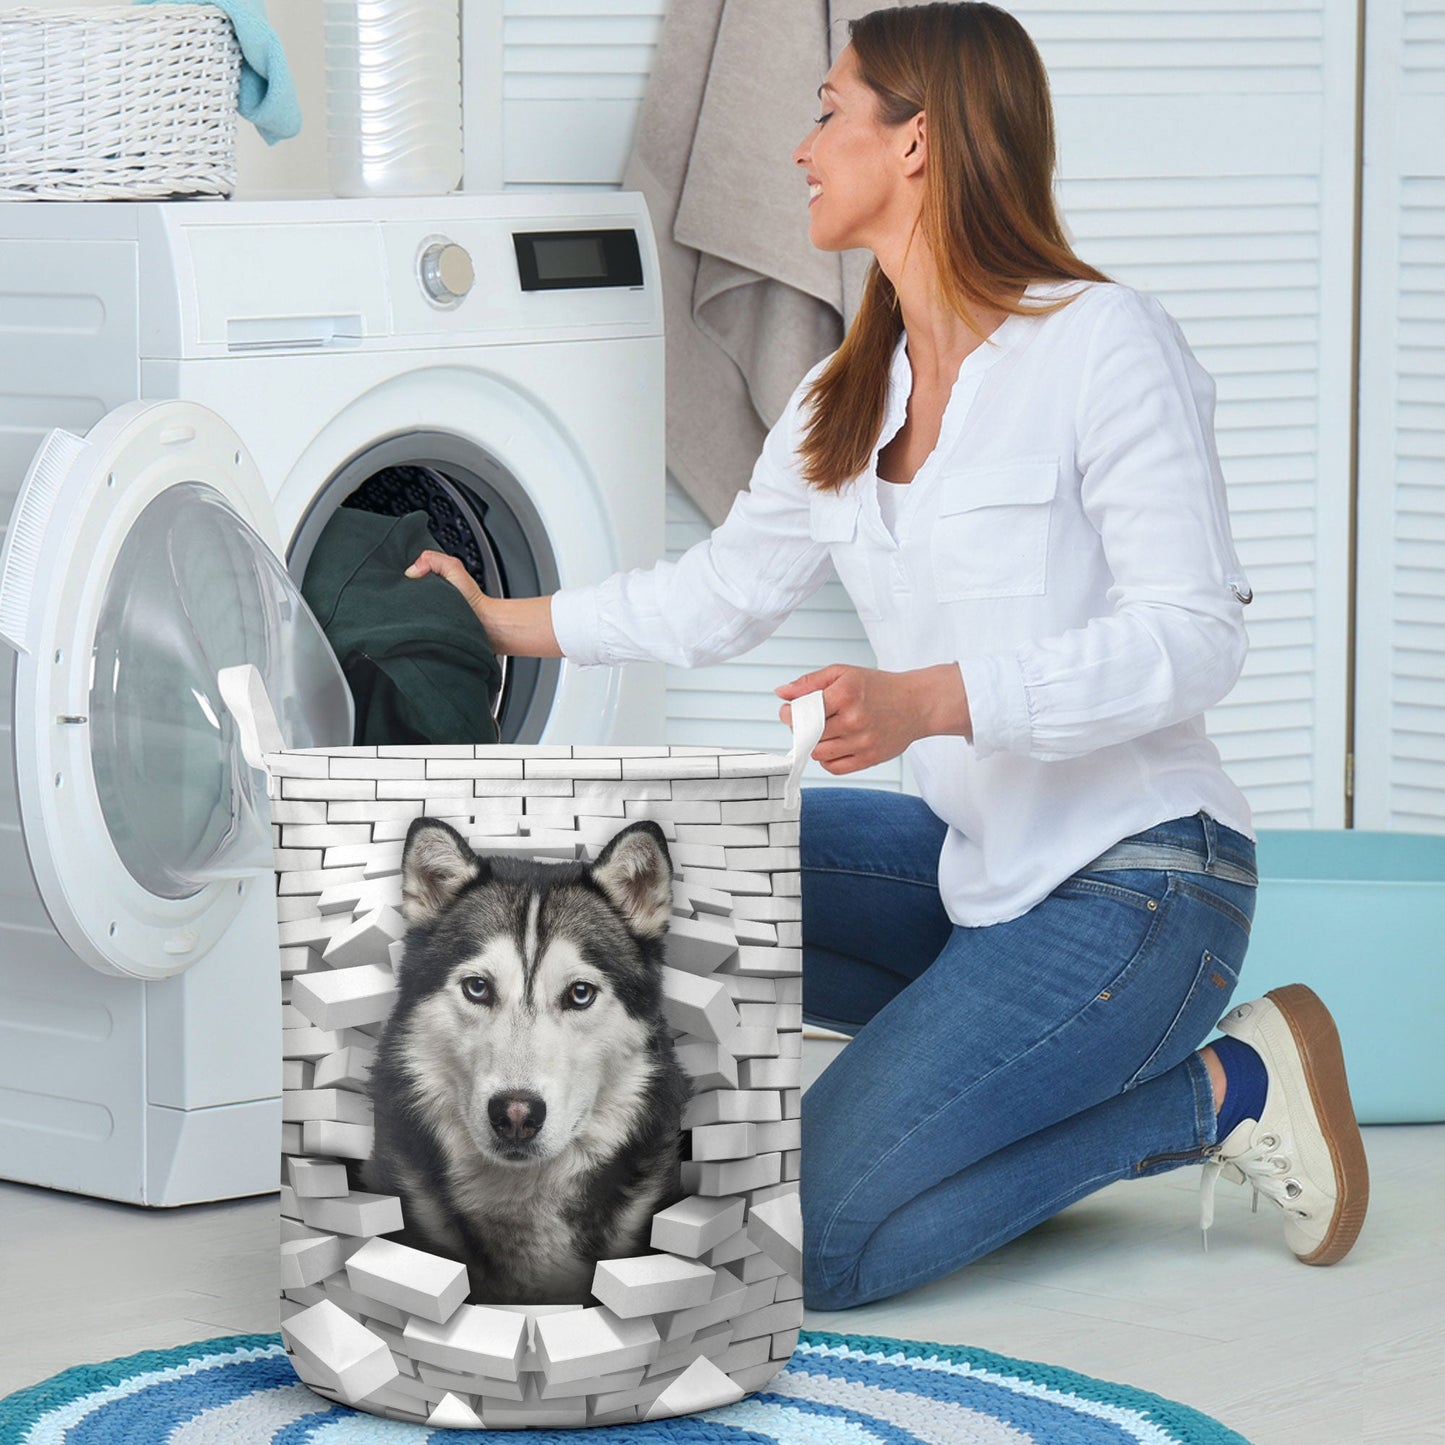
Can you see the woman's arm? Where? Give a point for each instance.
(721, 597)
(515, 626)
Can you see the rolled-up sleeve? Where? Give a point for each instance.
(1174, 641)
(722, 596)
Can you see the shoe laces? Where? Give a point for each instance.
(1263, 1167)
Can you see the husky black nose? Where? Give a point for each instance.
(516, 1114)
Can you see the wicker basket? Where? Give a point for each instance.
(117, 104)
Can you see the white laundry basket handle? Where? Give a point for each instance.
(808, 720)
(244, 693)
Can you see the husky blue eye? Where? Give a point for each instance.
(581, 995)
(477, 990)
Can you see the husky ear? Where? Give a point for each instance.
(436, 864)
(635, 872)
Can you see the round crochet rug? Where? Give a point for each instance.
(836, 1390)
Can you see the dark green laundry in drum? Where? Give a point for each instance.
(415, 657)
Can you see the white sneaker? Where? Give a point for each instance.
(1306, 1153)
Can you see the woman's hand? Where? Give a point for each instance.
(515, 626)
(872, 716)
(443, 564)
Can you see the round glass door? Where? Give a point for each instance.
(141, 560)
(193, 590)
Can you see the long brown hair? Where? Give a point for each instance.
(988, 212)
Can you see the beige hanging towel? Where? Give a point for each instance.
(749, 304)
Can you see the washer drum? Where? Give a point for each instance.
(708, 1309)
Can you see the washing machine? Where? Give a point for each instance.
(188, 392)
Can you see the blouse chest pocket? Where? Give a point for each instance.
(992, 534)
(833, 519)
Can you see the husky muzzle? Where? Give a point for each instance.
(516, 1117)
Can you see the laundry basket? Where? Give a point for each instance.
(117, 103)
(707, 1307)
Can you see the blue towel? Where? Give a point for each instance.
(268, 95)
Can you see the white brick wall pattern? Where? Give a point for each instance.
(713, 1312)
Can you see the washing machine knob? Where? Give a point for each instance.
(447, 273)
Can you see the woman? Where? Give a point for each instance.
(1010, 463)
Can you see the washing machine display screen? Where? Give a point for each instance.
(570, 258)
(194, 590)
(562, 260)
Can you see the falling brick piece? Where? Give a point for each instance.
(410, 1279)
(733, 1248)
(577, 1344)
(344, 1141)
(731, 1106)
(708, 1064)
(317, 1178)
(308, 1261)
(693, 1225)
(339, 1105)
(309, 1044)
(729, 1300)
(651, 1282)
(348, 1068)
(698, 1006)
(476, 1340)
(341, 1352)
(358, 1214)
(770, 1073)
(454, 1413)
(724, 1141)
(368, 940)
(731, 1176)
(344, 998)
(702, 1386)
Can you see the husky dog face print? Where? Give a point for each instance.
(528, 1102)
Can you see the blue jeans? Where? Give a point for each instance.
(998, 1074)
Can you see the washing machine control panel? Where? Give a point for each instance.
(421, 272)
(447, 273)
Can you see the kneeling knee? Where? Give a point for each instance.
(830, 1279)
(820, 1294)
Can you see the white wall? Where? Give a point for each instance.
(296, 166)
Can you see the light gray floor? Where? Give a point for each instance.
(1117, 1287)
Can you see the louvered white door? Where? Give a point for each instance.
(572, 75)
(1206, 156)
(1400, 600)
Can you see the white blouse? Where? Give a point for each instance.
(1066, 544)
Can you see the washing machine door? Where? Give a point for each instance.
(140, 560)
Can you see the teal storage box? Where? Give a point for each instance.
(1360, 918)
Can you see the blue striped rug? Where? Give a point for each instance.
(836, 1390)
